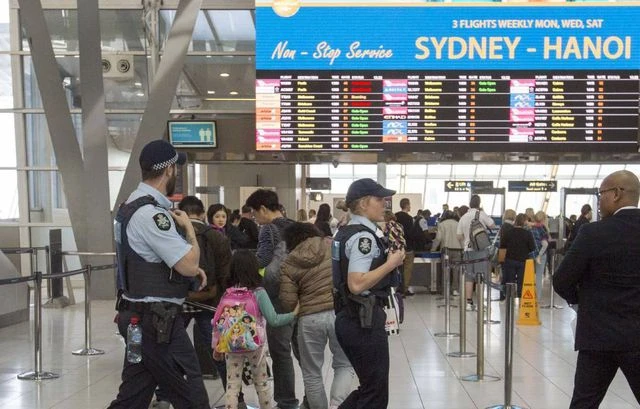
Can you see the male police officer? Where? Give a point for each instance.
(362, 282)
(153, 263)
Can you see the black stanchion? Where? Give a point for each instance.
(480, 375)
(38, 374)
(87, 350)
(508, 349)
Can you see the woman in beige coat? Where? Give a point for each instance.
(307, 279)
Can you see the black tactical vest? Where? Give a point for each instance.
(138, 278)
(341, 267)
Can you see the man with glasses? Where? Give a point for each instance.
(601, 273)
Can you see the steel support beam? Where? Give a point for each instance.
(98, 237)
(163, 90)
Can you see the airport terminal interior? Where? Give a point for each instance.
(528, 104)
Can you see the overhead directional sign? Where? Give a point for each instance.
(465, 185)
(533, 186)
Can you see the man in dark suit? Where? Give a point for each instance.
(601, 273)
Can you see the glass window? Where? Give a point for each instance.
(365, 171)
(393, 183)
(512, 171)
(414, 185)
(587, 171)
(216, 30)
(633, 168)
(6, 89)
(5, 43)
(393, 170)
(465, 171)
(343, 169)
(39, 148)
(608, 169)
(435, 196)
(319, 170)
(439, 170)
(565, 170)
(9, 209)
(416, 170)
(46, 194)
(7, 140)
(537, 171)
(340, 185)
(120, 30)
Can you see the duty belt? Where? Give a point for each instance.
(143, 307)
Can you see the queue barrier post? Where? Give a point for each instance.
(508, 349)
(447, 302)
(488, 286)
(38, 374)
(480, 375)
(87, 350)
(462, 353)
(551, 295)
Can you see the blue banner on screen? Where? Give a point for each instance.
(449, 38)
(190, 134)
(392, 78)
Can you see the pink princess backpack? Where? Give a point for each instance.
(238, 324)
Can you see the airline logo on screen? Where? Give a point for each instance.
(286, 8)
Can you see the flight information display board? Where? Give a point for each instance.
(501, 83)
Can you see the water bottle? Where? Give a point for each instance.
(134, 341)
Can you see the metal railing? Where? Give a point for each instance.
(37, 277)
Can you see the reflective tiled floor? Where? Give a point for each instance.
(422, 376)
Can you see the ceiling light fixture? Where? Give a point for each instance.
(224, 74)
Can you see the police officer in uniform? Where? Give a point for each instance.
(361, 277)
(156, 267)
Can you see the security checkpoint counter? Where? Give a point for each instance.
(427, 271)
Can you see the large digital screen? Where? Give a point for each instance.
(446, 78)
(192, 134)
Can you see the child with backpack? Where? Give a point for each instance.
(239, 327)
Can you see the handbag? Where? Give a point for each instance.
(392, 321)
(502, 255)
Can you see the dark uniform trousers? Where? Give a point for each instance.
(173, 366)
(596, 369)
(368, 352)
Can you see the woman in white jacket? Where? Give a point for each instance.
(446, 237)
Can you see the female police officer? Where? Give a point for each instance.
(361, 267)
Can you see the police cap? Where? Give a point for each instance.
(367, 187)
(160, 154)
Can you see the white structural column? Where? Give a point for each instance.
(63, 135)
(163, 89)
(99, 226)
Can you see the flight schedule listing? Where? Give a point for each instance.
(414, 111)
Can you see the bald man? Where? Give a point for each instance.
(601, 273)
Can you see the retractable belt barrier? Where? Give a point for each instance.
(37, 277)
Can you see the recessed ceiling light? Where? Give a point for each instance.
(211, 92)
(140, 94)
(224, 74)
(233, 93)
(138, 84)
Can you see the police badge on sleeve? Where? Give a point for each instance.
(364, 245)
(162, 221)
